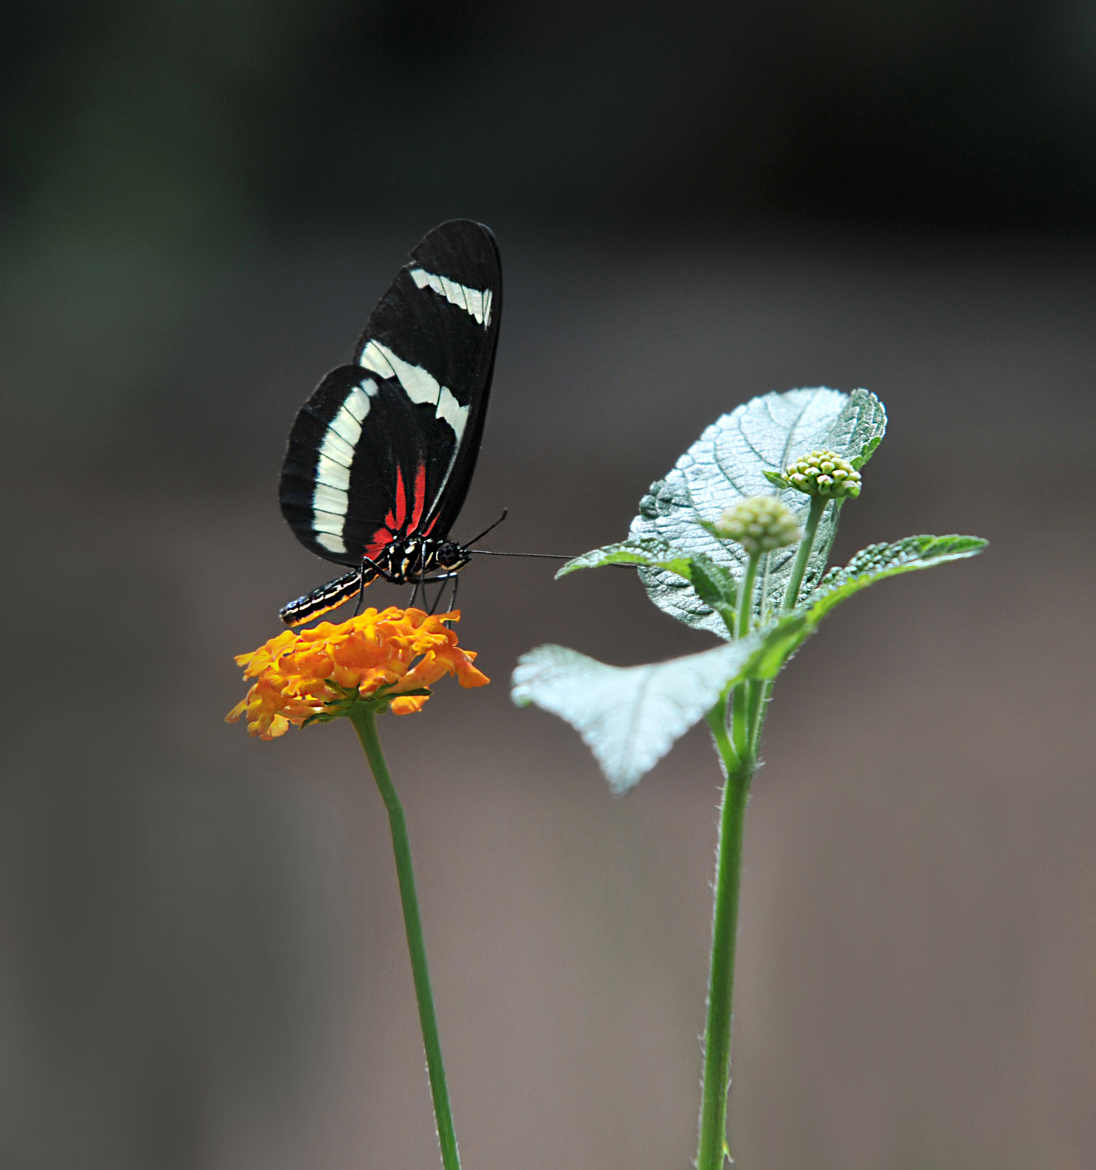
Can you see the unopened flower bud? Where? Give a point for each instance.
(822, 473)
(759, 524)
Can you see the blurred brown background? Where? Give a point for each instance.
(203, 963)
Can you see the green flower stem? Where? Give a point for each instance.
(738, 752)
(799, 568)
(740, 713)
(365, 724)
(746, 595)
(761, 692)
(712, 1139)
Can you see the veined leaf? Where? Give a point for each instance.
(875, 563)
(729, 463)
(653, 553)
(712, 582)
(629, 716)
(879, 561)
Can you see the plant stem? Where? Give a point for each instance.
(799, 567)
(712, 1139)
(365, 724)
(740, 725)
(746, 596)
(760, 692)
(738, 753)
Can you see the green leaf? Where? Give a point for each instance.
(712, 581)
(716, 587)
(875, 563)
(630, 716)
(728, 463)
(779, 641)
(879, 561)
(654, 553)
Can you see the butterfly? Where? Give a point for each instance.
(381, 455)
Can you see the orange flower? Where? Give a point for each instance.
(392, 656)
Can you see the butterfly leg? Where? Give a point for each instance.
(414, 574)
(442, 580)
(380, 571)
(361, 595)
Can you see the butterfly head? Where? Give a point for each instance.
(448, 557)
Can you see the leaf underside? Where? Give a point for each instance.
(628, 716)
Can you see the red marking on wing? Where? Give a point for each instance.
(395, 521)
(420, 496)
(377, 542)
(397, 515)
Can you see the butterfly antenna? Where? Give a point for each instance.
(484, 552)
(489, 528)
(487, 552)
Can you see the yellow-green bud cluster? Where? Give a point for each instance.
(760, 524)
(822, 473)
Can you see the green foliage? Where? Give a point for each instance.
(654, 553)
(729, 463)
(879, 561)
(717, 588)
(631, 716)
(734, 540)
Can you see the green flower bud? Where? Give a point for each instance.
(760, 524)
(822, 473)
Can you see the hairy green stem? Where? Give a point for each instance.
(738, 750)
(759, 692)
(365, 724)
(712, 1138)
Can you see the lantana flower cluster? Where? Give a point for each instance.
(380, 655)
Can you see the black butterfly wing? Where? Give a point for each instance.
(385, 448)
(436, 332)
(351, 481)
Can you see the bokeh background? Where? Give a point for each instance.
(203, 962)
